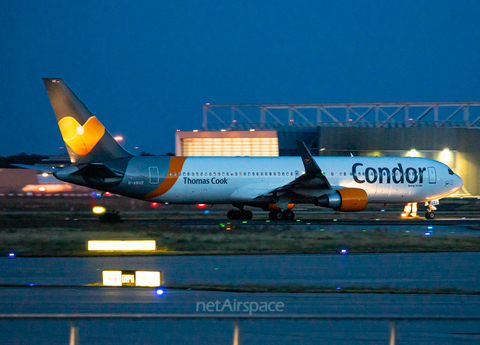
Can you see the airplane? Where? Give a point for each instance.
(275, 184)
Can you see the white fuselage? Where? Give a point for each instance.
(242, 179)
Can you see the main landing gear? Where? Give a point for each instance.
(279, 215)
(239, 214)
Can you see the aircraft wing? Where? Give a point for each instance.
(314, 177)
(35, 167)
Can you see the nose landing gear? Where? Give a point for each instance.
(430, 214)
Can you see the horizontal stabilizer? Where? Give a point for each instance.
(35, 167)
(97, 170)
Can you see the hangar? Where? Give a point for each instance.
(444, 131)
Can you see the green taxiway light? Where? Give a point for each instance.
(377, 219)
(244, 222)
(334, 220)
(322, 229)
(298, 220)
(267, 221)
(364, 230)
(407, 231)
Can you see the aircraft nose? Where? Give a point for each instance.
(459, 181)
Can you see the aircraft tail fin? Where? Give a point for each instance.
(86, 139)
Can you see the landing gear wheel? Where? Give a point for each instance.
(231, 214)
(239, 214)
(429, 215)
(247, 214)
(275, 215)
(288, 215)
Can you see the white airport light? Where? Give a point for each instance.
(122, 245)
(44, 174)
(112, 278)
(445, 155)
(98, 210)
(118, 138)
(131, 278)
(413, 153)
(147, 278)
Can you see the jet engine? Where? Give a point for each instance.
(345, 200)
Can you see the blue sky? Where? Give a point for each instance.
(146, 68)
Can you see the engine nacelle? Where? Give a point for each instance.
(345, 200)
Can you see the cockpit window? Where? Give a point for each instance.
(450, 172)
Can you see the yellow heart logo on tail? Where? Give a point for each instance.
(81, 139)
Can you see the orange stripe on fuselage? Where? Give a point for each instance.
(176, 165)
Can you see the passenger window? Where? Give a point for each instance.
(332, 173)
(170, 174)
(248, 174)
(201, 174)
(223, 174)
(340, 174)
(270, 173)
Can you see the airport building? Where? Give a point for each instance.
(447, 132)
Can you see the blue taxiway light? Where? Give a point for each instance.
(12, 255)
(430, 227)
(343, 251)
(159, 292)
(427, 234)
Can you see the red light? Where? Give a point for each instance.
(107, 193)
(136, 147)
(201, 205)
(178, 130)
(61, 147)
(154, 204)
(410, 119)
(349, 119)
